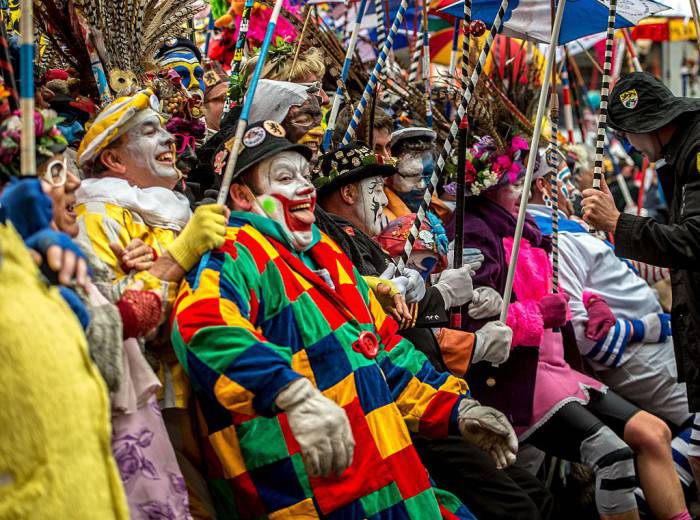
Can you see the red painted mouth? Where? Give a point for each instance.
(298, 213)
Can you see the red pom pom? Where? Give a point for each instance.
(477, 28)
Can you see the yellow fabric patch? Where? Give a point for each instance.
(343, 276)
(301, 364)
(388, 429)
(299, 511)
(227, 448)
(233, 396)
(344, 392)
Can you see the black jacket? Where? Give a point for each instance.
(676, 246)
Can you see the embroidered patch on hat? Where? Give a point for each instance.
(254, 137)
(219, 161)
(349, 230)
(274, 128)
(629, 99)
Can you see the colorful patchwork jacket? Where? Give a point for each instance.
(255, 317)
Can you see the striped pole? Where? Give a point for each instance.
(247, 104)
(553, 163)
(415, 60)
(26, 94)
(235, 76)
(381, 24)
(337, 100)
(549, 63)
(456, 317)
(566, 99)
(426, 68)
(6, 71)
(604, 93)
(374, 76)
(466, 22)
(449, 141)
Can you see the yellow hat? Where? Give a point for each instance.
(112, 122)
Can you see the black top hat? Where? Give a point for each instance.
(640, 103)
(348, 164)
(260, 141)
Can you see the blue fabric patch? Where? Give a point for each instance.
(282, 329)
(371, 388)
(328, 362)
(277, 484)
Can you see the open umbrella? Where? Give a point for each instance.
(531, 18)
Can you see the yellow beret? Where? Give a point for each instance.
(111, 123)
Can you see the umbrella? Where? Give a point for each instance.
(531, 18)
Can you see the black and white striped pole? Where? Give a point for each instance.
(449, 141)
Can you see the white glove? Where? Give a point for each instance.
(486, 303)
(416, 286)
(489, 430)
(471, 256)
(401, 282)
(320, 426)
(493, 343)
(455, 285)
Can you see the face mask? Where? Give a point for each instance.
(303, 125)
(414, 171)
(287, 196)
(185, 63)
(150, 146)
(370, 208)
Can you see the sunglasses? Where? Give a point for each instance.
(185, 141)
(56, 173)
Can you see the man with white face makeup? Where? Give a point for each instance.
(129, 159)
(307, 391)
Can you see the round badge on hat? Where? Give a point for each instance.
(253, 137)
(274, 128)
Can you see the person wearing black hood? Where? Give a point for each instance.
(666, 129)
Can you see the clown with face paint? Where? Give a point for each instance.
(310, 356)
(183, 56)
(413, 150)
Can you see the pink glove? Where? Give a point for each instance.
(553, 308)
(600, 317)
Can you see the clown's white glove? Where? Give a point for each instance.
(471, 256)
(488, 429)
(320, 426)
(416, 286)
(493, 343)
(486, 303)
(455, 286)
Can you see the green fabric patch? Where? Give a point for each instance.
(423, 505)
(381, 499)
(262, 442)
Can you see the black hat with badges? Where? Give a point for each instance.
(260, 141)
(350, 163)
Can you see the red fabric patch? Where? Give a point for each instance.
(446, 514)
(202, 313)
(291, 285)
(368, 472)
(331, 314)
(435, 421)
(259, 254)
(292, 444)
(388, 335)
(254, 306)
(408, 471)
(248, 502)
(230, 248)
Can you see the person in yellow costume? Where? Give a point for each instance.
(55, 452)
(129, 160)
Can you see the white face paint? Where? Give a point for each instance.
(150, 151)
(370, 207)
(287, 196)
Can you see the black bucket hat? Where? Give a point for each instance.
(260, 141)
(640, 104)
(348, 164)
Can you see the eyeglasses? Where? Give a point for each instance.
(56, 172)
(185, 141)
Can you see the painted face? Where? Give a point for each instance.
(303, 125)
(185, 63)
(287, 196)
(414, 171)
(508, 196)
(370, 208)
(149, 154)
